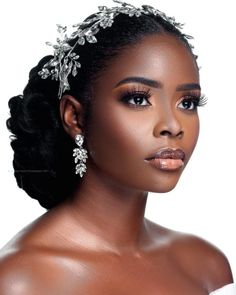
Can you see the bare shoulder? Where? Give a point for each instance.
(201, 259)
(198, 249)
(36, 261)
(198, 258)
(27, 271)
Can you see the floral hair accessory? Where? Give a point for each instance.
(66, 62)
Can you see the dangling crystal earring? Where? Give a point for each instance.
(80, 155)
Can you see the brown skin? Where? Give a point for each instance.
(99, 242)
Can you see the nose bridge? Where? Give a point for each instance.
(167, 120)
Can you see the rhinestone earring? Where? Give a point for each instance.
(80, 155)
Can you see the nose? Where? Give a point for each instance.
(168, 125)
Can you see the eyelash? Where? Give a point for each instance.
(197, 100)
(136, 93)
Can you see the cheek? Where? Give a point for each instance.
(191, 134)
(115, 139)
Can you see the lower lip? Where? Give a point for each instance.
(167, 164)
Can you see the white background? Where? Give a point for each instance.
(203, 202)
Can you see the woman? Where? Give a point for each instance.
(125, 89)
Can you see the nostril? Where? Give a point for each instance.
(168, 133)
(165, 133)
(180, 134)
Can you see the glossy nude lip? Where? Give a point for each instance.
(168, 159)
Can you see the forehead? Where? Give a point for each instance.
(157, 57)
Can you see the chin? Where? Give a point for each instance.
(163, 186)
(163, 189)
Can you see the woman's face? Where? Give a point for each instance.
(144, 102)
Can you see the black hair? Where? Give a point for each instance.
(43, 162)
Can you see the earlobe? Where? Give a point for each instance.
(71, 112)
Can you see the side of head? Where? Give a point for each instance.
(43, 161)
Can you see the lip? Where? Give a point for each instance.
(168, 159)
(168, 153)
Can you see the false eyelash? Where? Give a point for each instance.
(198, 101)
(136, 92)
(202, 100)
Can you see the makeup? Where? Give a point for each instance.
(168, 159)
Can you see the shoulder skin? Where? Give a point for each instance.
(34, 271)
(29, 272)
(203, 261)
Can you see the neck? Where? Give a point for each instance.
(107, 216)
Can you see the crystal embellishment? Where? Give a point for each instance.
(80, 155)
(65, 61)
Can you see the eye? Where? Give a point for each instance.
(187, 104)
(191, 102)
(136, 98)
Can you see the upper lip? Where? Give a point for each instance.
(168, 153)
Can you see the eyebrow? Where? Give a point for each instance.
(142, 80)
(188, 86)
(157, 84)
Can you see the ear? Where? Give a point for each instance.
(72, 114)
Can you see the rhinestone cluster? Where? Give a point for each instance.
(80, 155)
(66, 62)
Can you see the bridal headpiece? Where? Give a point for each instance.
(65, 60)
